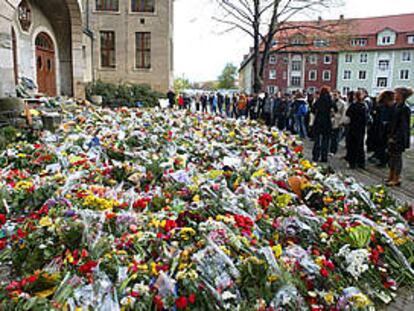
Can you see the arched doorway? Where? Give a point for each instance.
(45, 64)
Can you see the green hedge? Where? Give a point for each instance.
(126, 94)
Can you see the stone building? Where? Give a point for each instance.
(63, 44)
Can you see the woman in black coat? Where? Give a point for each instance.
(322, 126)
(399, 134)
(358, 116)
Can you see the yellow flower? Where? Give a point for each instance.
(232, 134)
(154, 268)
(277, 250)
(187, 233)
(213, 174)
(259, 173)
(360, 300)
(306, 164)
(21, 155)
(45, 222)
(329, 298)
(46, 293)
(196, 199)
(23, 185)
(272, 278)
(225, 250)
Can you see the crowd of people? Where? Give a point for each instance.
(380, 126)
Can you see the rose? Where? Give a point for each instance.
(158, 302)
(87, 267)
(181, 302)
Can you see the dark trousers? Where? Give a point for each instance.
(320, 147)
(281, 122)
(356, 152)
(267, 118)
(198, 106)
(204, 108)
(335, 140)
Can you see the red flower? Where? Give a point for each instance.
(87, 267)
(3, 244)
(181, 302)
(141, 203)
(158, 302)
(265, 200)
(2, 219)
(324, 273)
(192, 299)
(170, 225)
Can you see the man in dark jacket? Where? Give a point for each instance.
(399, 135)
(171, 98)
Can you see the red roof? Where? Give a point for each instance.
(372, 25)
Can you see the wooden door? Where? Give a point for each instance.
(45, 65)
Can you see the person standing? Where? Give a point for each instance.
(337, 118)
(234, 106)
(301, 110)
(220, 102)
(198, 101)
(399, 134)
(380, 126)
(181, 102)
(322, 126)
(242, 105)
(358, 116)
(171, 98)
(280, 111)
(204, 103)
(267, 109)
(227, 104)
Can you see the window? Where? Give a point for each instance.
(143, 6)
(25, 15)
(313, 75)
(143, 50)
(274, 42)
(347, 74)
(384, 64)
(295, 81)
(359, 42)
(313, 59)
(362, 75)
(326, 75)
(382, 82)
(363, 58)
(320, 43)
(386, 40)
(272, 74)
(298, 40)
(107, 5)
(271, 89)
(327, 59)
(272, 59)
(406, 56)
(311, 90)
(286, 60)
(348, 58)
(410, 39)
(107, 49)
(404, 74)
(296, 65)
(346, 90)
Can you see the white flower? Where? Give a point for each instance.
(228, 295)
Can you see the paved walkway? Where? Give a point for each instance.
(373, 176)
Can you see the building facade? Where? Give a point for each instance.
(371, 53)
(63, 44)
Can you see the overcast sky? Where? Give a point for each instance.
(202, 48)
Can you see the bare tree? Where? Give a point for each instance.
(264, 19)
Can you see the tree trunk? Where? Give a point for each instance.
(256, 32)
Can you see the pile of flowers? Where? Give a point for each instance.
(159, 210)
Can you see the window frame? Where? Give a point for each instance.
(143, 12)
(348, 58)
(323, 75)
(272, 59)
(410, 39)
(272, 74)
(330, 59)
(106, 10)
(345, 76)
(383, 61)
(365, 75)
(408, 60)
(295, 77)
(108, 50)
(313, 59)
(346, 90)
(143, 50)
(316, 75)
(407, 76)
(382, 78)
(361, 58)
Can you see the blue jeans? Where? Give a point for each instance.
(300, 126)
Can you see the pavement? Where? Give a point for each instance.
(373, 175)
